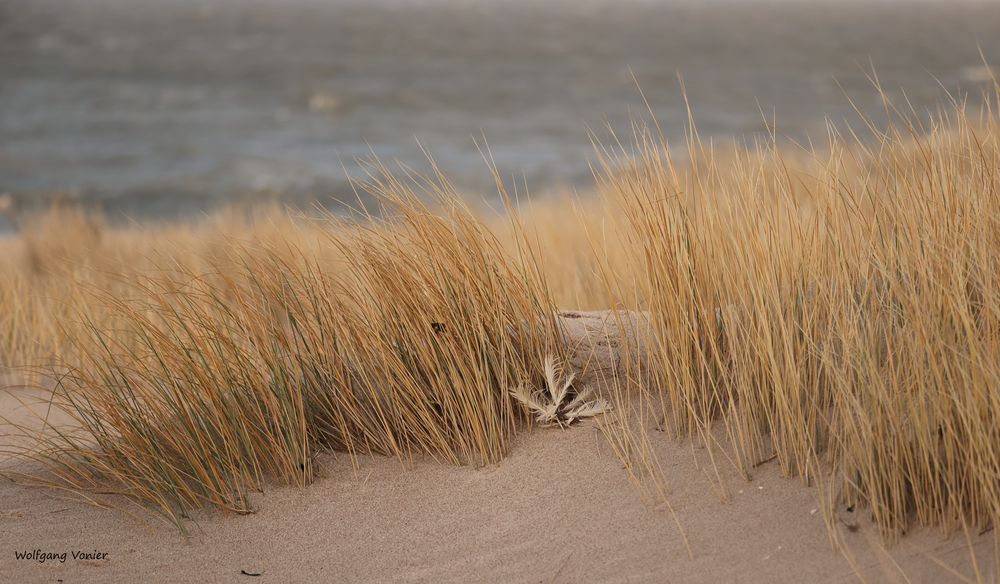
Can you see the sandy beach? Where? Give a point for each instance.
(559, 508)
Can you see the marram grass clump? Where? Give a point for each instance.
(193, 387)
(837, 311)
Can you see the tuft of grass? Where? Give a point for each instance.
(195, 386)
(835, 311)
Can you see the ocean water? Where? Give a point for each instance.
(164, 108)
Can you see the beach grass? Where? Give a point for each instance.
(835, 309)
(191, 382)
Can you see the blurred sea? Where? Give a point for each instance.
(161, 108)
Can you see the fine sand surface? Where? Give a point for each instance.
(560, 508)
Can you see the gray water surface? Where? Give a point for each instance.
(158, 108)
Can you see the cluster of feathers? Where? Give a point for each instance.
(560, 402)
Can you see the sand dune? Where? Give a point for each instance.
(560, 508)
